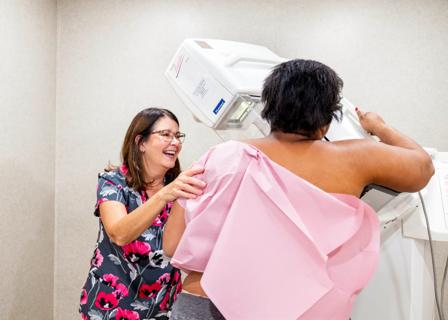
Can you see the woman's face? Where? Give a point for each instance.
(159, 150)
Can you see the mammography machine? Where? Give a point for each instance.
(220, 82)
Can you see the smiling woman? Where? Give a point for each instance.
(129, 277)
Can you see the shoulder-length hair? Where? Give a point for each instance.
(139, 131)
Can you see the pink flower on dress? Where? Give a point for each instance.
(97, 261)
(136, 250)
(123, 314)
(164, 278)
(83, 296)
(121, 291)
(161, 218)
(106, 301)
(124, 169)
(143, 196)
(110, 280)
(84, 317)
(178, 288)
(164, 302)
(147, 291)
(175, 290)
(176, 277)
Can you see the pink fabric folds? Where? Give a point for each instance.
(272, 245)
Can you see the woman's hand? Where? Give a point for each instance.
(185, 186)
(370, 121)
(123, 227)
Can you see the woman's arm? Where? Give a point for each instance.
(122, 228)
(174, 229)
(397, 162)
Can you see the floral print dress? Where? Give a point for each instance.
(134, 281)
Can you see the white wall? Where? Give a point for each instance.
(27, 120)
(390, 54)
(110, 63)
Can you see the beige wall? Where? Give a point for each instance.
(27, 120)
(110, 62)
(112, 56)
(390, 54)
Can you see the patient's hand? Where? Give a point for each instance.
(370, 121)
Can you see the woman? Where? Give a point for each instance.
(287, 236)
(129, 277)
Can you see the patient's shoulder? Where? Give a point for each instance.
(228, 157)
(360, 147)
(232, 150)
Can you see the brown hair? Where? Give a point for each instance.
(142, 125)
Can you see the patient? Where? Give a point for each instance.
(280, 232)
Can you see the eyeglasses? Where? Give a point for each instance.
(168, 136)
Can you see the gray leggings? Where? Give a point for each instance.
(191, 307)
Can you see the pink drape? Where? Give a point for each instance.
(273, 246)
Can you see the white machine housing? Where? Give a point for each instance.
(220, 81)
(435, 197)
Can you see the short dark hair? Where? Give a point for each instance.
(301, 96)
(142, 125)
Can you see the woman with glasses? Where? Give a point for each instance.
(129, 277)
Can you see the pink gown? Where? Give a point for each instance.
(273, 246)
